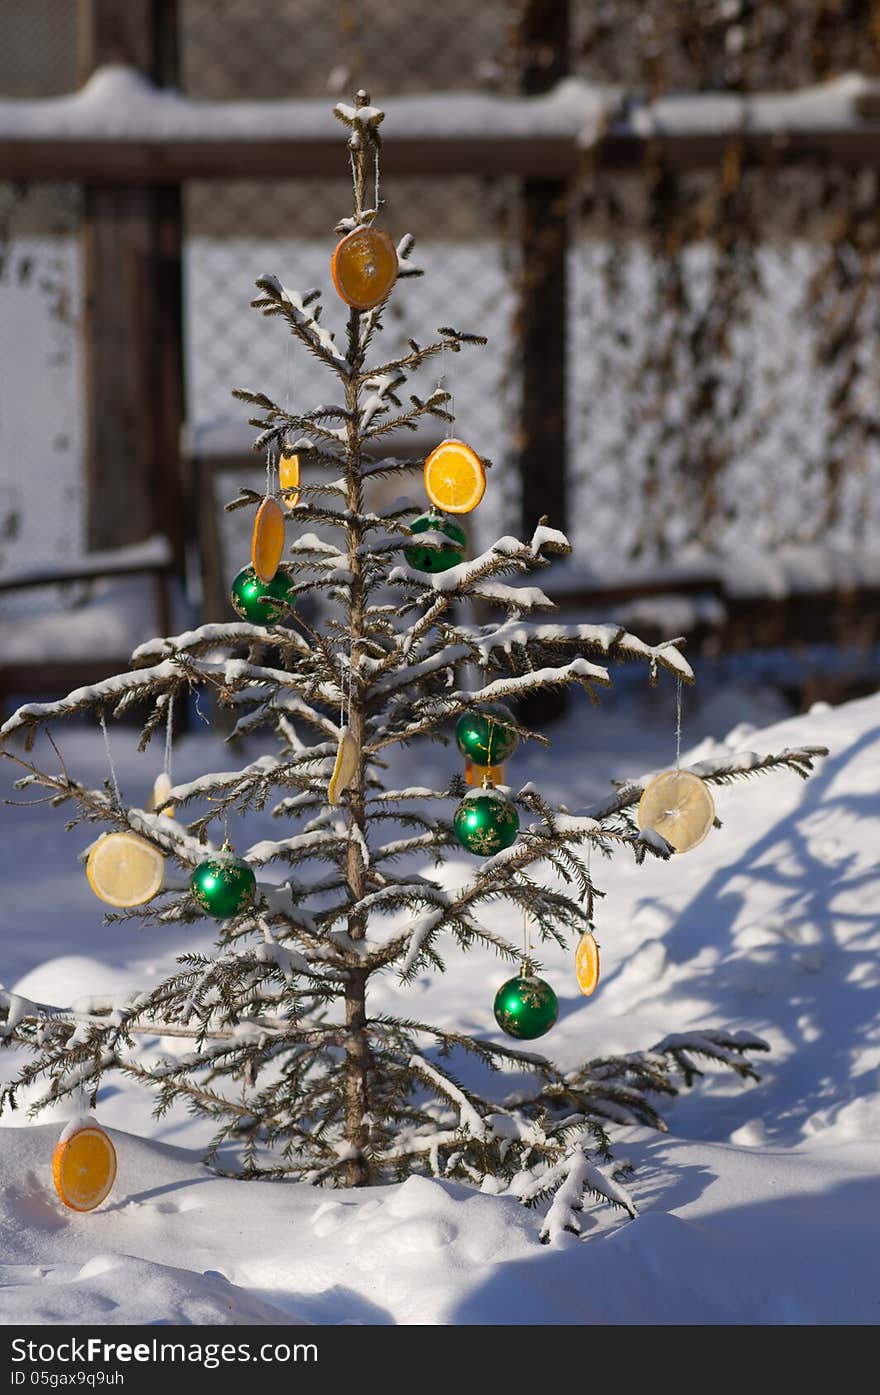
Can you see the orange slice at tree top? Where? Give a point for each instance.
(84, 1168)
(476, 774)
(455, 479)
(123, 869)
(586, 964)
(677, 805)
(364, 267)
(267, 544)
(288, 478)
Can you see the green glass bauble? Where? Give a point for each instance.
(436, 559)
(485, 822)
(223, 885)
(486, 741)
(526, 1007)
(248, 592)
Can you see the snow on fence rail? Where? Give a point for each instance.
(121, 128)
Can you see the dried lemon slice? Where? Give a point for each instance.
(586, 964)
(364, 267)
(288, 478)
(124, 869)
(677, 805)
(455, 478)
(267, 544)
(345, 767)
(162, 787)
(84, 1168)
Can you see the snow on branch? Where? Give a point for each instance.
(567, 1181)
(469, 1117)
(611, 640)
(140, 682)
(281, 300)
(209, 637)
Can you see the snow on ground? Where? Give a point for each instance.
(760, 1206)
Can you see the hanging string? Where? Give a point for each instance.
(212, 799)
(354, 645)
(527, 944)
(678, 724)
(589, 885)
(117, 797)
(445, 385)
(270, 469)
(169, 738)
(354, 180)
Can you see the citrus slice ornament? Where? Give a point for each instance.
(162, 787)
(289, 477)
(345, 767)
(586, 964)
(267, 543)
(679, 806)
(364, 267)
(125, 870)
(455, 477)
(84, 1167)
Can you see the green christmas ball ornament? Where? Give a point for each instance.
(526, 1006)
(483, 735)
(263, 602)
(223, 885)
(485, 822)
(436, 559)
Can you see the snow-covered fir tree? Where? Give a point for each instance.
(278, 1044)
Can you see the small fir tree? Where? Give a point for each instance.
(284, 1054)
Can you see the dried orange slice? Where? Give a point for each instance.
(586, 964)
(476, 774)
(124, 869)
(364, 267)
(677, 805)
(267, 543)
(84, 1168)
(345, 767)
(162, 787)
(288, 478)
(455, 479)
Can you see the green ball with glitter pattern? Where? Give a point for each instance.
(263, 602)
(485, 822)
(223, 886)
(526, 1007)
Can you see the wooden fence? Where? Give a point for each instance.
(131, 141)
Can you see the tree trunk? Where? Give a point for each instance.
(357, 1050)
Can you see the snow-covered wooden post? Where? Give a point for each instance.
(133, 321)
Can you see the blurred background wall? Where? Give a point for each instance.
(682, 365)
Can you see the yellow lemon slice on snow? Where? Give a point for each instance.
(455, 478)
(677, 805)
(586, 964)
(124, 869)
(84, 1168)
